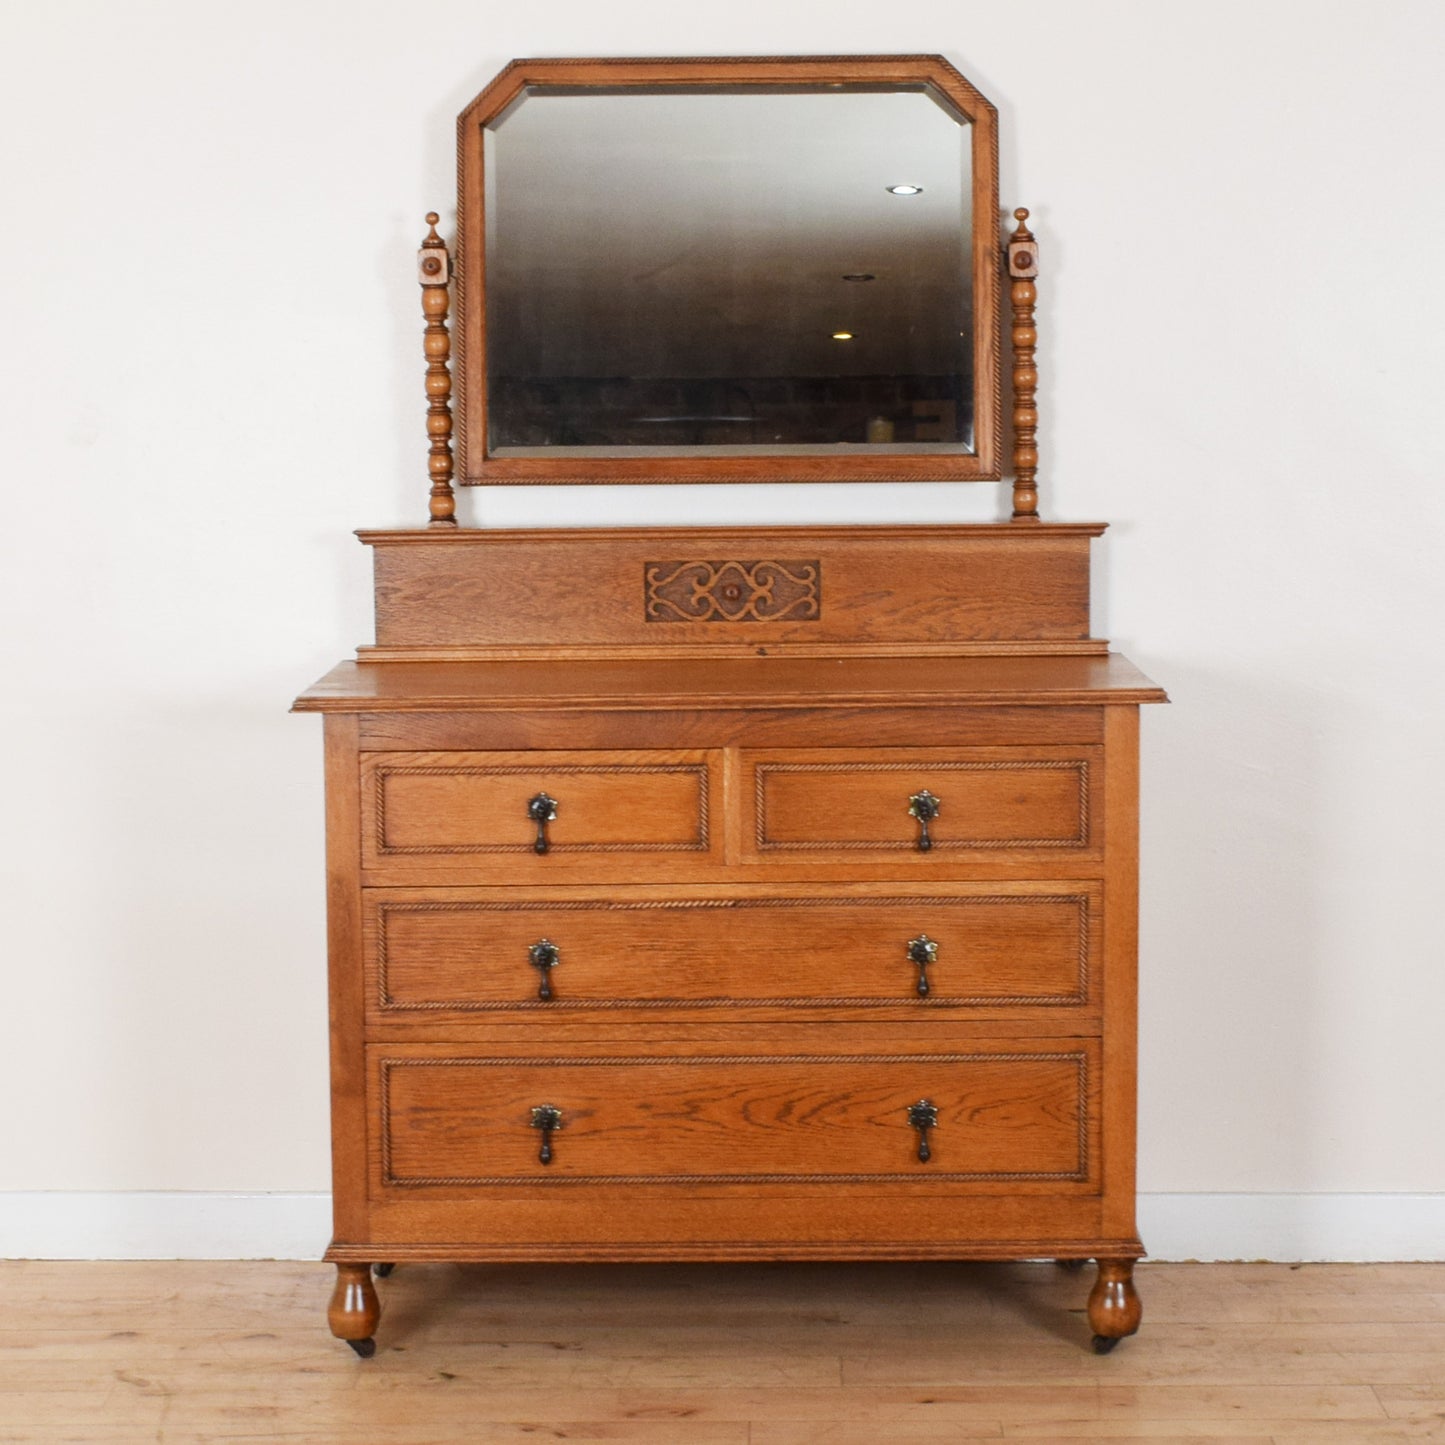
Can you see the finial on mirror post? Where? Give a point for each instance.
(1023, 267)
(434, 271)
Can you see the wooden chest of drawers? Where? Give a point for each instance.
(731, 992)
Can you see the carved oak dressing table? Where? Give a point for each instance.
(748, 892)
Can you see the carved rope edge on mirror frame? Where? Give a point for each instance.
(476, 468)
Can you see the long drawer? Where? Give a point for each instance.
(434, 953)
(998, 1114)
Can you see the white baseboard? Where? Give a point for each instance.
(164, 1226)
(1366, 1228)
(1285, 1227)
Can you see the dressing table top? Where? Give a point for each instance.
(730, 682)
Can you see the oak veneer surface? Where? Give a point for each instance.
(466, 802)
(1015, 1113)
(733, 1048)
(709, 589)
(460, 953)
(200, 1353)
(749, 990)
(836, 800)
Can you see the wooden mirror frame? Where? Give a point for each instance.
(475, 467)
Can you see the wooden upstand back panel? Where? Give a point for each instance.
(827, 955)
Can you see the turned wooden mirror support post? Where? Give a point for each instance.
(1023, 267)
(434, 271)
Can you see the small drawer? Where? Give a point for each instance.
(468, 951)
(832, 805)
(537, 813)
(1005, 1113)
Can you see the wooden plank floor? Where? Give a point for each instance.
(740, 1355)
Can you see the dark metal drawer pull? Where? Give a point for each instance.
(925, 807)
(547, 1118)
(545, 956)
(923, 1116)
(541, 810)
(922, 951)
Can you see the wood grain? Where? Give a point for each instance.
(434, 271)
(901, 726)
(346, 986)
(440, 956)
(1023, 267)
(680, 1128)
(731, 873)
(1005, 1116)
(466, 805)
(893, 588)
(1121, 967)
(685, 684)
(827, 802)
(211, 1352)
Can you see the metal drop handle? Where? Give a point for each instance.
(547, 1118)
(544, 956)
(925, 807)
(922, 951)
(541, 810)
(923, 1116)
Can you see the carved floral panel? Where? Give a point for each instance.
(733, 591)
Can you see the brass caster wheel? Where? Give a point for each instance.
(382, 1270)
(365, 1348)
(1103, 1344)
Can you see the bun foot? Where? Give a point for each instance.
(354, 1309)
(1073, 1266)
(382, 1270)
(1114, 1308)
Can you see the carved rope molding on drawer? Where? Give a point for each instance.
(1078, 1175)
(764, 843)
(391, 850)
(1062, 1000)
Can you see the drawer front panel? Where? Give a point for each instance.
(1006, 1115)
(845, 803)
(912, 727)
(957, 945)
(437, 808)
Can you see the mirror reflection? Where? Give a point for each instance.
(716, 273)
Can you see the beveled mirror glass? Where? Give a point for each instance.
(729, 270)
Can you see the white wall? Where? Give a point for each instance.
(212, 375)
